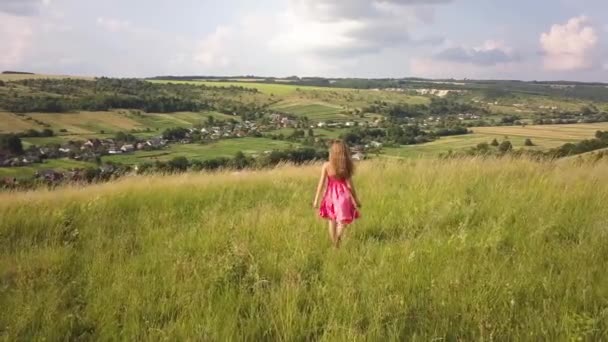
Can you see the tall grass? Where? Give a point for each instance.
(445, 250)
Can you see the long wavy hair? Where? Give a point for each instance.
(340, 160)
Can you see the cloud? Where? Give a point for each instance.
(114, 25)
(16, 35)
(337, 28)
(489, 54)
(22, 7)
(569, 46)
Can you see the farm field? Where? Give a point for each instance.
(267, 88)
(448, 250)
(10, 122)
(52, 164)
(92, 123)
(543, 136)
(223, 148)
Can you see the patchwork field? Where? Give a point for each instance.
(543, 136)
(93, 123)
(223, 148)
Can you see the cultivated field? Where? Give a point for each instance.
(452, 250)
(544, 137)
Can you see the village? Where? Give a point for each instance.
(93, 149)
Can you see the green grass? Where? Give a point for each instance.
(221, 148)
(52, 164)
(462, 250)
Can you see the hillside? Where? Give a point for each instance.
(465, 249)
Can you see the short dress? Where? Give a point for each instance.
(338, 203)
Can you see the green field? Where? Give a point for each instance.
(543, 136)
(222, 148)
(267, 88)
(313, 111)
(50, 164)
(465, 250)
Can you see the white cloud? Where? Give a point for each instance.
(315, 37)
(114, 25)
(569, 46)
(16, 34)
(211, 50)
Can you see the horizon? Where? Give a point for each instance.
(545, 41)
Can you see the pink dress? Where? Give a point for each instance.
(338, 203)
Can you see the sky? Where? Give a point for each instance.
(479, 39)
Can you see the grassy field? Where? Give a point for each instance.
(460, 250)
(222, 148)
(313, 111)
(544, 137)
(52, 164)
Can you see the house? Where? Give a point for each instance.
(350, 124)
(375, 144)
(127, 148)
(156, 142)
(114, 151)
(321, 124)
(49, 175)
(358, 156)
(65, 150)
(140, 146)
(92, 143)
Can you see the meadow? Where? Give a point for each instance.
(446, 250)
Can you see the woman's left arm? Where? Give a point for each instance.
(320, 186)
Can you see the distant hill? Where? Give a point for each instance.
(8, 72)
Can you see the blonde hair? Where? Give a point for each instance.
(340, 160)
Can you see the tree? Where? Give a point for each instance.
(494, 143)
(528, 142)
(179, 164)
(505, 146)
(11, 143)
(311, 132)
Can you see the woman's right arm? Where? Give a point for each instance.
(351, 186)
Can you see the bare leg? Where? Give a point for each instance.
(332, 232)
(339, 232)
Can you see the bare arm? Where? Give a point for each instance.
(320, 185)
(351, 186)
